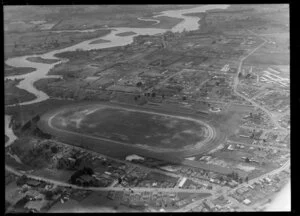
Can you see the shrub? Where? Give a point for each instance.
(54, 149)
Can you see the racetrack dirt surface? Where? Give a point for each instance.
(119, 149)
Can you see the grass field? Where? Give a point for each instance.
(132, 127)
(269, 59)
(161, 177)
(29, 111)
(121, 149)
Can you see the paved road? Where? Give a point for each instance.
(147, 169)
(260, 146)
(256, 128)
(286, 165)
(175, 190)
(135, 189)
(232, 200)
(60, 183)
(131, 165)
(236, 81)
(192, 205)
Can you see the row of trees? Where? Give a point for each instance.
(79, 173)
(148, 94)
(235, 176)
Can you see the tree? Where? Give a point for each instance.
(247, 179)
(78, 162)
(22, 180)
(142, 101)
(88, 170)
(235, 176)
(54, 149)
(119, 180)
(48, 195)
(139, 84)
(232, 175)
(229, 175)
(240, 180)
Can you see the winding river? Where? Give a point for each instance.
(9, 132)
(189, 23)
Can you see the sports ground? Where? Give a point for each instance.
(120, 130)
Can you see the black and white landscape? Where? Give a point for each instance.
(147, 108)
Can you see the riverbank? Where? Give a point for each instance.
(36, 43)
(13, 94)
(31, 110)
(42, 60)
(188, 23)
(15, 71)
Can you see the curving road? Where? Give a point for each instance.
(212, 134)
(135, 189)
(236, 81)
(273, 119)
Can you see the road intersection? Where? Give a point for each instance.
(213, 192)
(273, 119)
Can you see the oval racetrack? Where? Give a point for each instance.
(109, 146)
